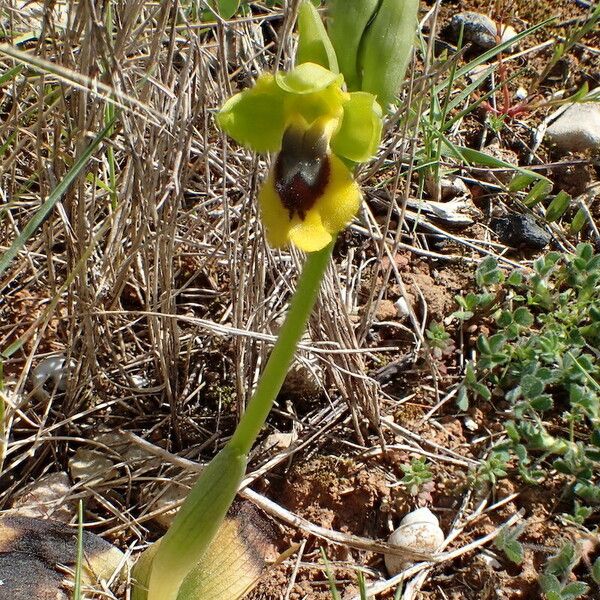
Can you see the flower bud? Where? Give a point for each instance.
(386, 48)
(314, 45)
(348, 20)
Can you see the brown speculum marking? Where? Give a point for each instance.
(302, 169)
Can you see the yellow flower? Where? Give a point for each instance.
(309, 195)
(312, 123)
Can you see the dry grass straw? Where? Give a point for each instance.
(162, 225)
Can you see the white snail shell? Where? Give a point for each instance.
(419, 531)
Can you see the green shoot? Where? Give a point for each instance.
(330, 576)
(80, 557)
(416, 474)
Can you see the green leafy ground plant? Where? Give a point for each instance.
(416, 474)
(541, 358)
(556, 580)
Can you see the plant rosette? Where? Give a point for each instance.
(317, 130)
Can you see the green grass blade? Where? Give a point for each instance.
(10, 74)
(483, 98)
(469, 89)
(490, 54)
(330, 577)
(470, 156)
(79, 561)
(362, 586)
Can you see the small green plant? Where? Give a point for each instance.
(595, 571)
(492, 469)
(508, 542)
(449, 103)
(542, 359)
(439, 340)
(416, 474)
(579, 515)
(556, 582)
(554, 589)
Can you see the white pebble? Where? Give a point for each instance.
(470, 424)
(51, 371)
(402, 307)
(576, 129)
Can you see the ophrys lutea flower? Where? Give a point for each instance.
(317, 130)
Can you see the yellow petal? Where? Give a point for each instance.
(341, 200)
(275, 216)
(309, 234)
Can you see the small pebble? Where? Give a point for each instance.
(50, 373)
(576, 129)
(402, 307)
(520, 231)
(521, 93)
(478, 29)
(490, 561)
(470, 424)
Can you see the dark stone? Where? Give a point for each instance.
(520, 231)
(393, 370)
(478, 29)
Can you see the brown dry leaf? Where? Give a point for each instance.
(35, 552)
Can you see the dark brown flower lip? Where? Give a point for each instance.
(302, 169)
(301, 185)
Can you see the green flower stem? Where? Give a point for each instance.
(201, 515)
(193, 529)
(283, 353)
